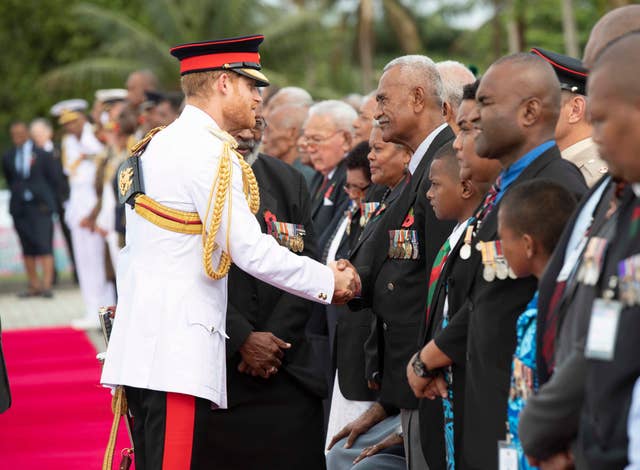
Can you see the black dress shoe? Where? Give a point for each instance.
(47, 294)
(28, 293)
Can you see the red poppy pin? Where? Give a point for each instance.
(408, 220)
(269, 218)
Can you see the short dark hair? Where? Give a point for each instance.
(447, 155)
(540, 208)
(469, 91)
(357, 159)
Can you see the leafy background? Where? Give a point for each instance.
(58, 49)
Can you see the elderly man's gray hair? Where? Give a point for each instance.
(419, 70)
(340, 113)
(454, 77)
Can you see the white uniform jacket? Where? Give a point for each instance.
(82, 174)
(168, 334)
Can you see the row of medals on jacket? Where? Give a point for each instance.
(493, 261)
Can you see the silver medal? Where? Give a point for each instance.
(465, 251)
(502, 269)
(488, 273)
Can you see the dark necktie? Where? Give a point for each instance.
(490, 199)
(322, 187)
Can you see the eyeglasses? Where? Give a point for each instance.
(315, 140)
(352, 187)
(261, 124)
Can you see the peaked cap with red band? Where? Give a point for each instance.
(570, 71)
(238, 54)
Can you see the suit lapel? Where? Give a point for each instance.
(268, 202)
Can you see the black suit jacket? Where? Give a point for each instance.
(257, 306)
(354, 329)
(550, 419)
(547, 283)
(609, 386)
(454, 282)
(396, 289)
(493, 309)
(328, 204)
(43, 181)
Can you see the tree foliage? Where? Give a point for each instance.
(58, 49)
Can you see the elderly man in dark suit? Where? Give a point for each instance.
(33, 181)
(275, 415)
(392, 261)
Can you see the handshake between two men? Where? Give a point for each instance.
(262, 351)
(347, 281)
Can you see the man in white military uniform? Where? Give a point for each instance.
(79, 148)
(168, 343)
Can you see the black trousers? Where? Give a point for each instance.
(280, 427)
(169, 430)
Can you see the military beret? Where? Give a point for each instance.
(239, 54)
(571, 74)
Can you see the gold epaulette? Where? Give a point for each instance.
(140, 146)
(158, 214)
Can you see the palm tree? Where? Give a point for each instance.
(132, 43)
(569, 28)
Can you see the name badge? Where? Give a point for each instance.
(507, 456)
(603, 329)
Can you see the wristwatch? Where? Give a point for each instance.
(420, 368)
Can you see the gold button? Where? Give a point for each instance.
(390, 286)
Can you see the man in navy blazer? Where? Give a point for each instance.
(34, 182)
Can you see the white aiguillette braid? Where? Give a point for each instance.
(222, 188)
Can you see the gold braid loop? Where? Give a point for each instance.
(119, 408)
(222, 192)
(142, 144)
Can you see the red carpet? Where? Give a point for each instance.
(60, 416)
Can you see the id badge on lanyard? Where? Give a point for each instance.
(603, 326)
(507, 456)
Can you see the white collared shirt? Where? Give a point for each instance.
(416, 158)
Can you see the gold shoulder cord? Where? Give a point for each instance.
(222, 192)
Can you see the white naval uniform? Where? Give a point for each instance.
(169, 329)
(88, 246)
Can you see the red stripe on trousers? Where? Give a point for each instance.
(178, 433)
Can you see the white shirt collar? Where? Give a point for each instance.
(636, 189)
(416, 158)
(193, 113)
(331, 173)
(457, 233)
